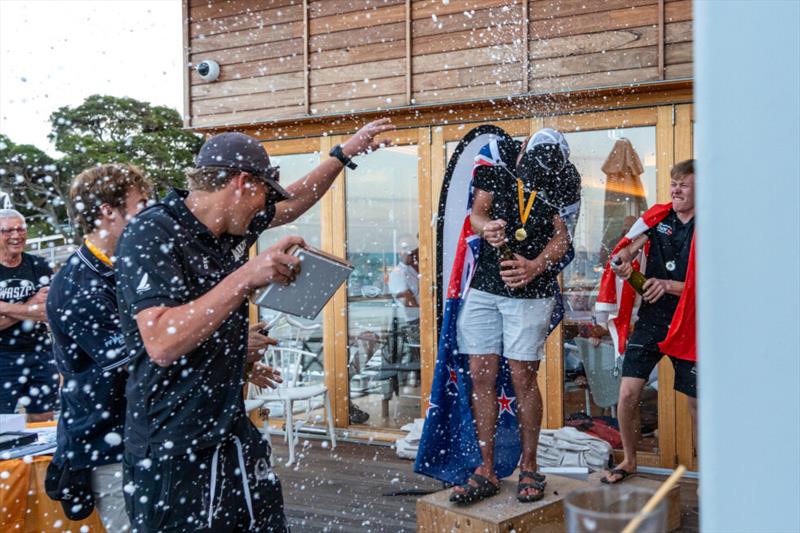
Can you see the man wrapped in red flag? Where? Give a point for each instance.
(661, 245)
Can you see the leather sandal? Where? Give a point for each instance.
(482, 489)
(539, 484)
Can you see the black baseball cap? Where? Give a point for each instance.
(238, 151)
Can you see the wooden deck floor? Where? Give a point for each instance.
(344, 490)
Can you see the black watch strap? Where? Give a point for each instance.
(338, 153)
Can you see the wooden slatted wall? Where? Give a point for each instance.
(575, 44)
(358, 52)
(259, 45)
(357, 55)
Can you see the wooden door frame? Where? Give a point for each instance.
(684, 149)
(598, 121)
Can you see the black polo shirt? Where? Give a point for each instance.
(167, 257)
(17, 285)
(670, 243)
(539, 226)
(90, 355)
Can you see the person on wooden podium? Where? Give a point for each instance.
(193, 461)
(662, 244)
(508, 309)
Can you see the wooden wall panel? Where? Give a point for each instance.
(463, 54)
(256, 45)
(460, 40)
(251, 69)
(324, 8)
(224, 17)
(272, 33)
(271, 84)
(577, 45)
(218, 9)
(460, 51)
(345, 75)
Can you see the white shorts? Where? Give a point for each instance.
(515, 328)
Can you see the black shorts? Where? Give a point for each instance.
(642, 354)
(174, 493)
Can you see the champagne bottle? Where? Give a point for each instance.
(506, 255)
(636, 279)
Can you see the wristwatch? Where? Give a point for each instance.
(338, 153)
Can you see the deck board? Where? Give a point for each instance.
(343, 490)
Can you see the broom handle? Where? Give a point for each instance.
(653, 502)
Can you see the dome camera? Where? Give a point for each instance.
(208, 69)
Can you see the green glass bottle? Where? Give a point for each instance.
(506, 255)
(636, 279)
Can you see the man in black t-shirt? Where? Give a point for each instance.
(193, 460)
(27, 372)
(508, 308)
(89, 348)
(667, 263)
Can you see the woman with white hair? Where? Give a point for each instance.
(27, 372)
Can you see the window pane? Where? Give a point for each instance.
(383, 291)
(290, 330)
(618, 173)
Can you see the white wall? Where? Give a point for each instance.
(748, 144)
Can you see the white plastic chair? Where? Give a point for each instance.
(290, 363)
(599, 362)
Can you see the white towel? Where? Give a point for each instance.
(407, 446)
(569, 447)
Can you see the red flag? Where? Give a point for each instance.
(620, 301)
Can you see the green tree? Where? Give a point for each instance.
(107, 129)
(33, 180)
(103, 129)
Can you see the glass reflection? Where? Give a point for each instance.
(289, 330)
(383, 291)
(618, 170)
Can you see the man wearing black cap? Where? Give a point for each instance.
(193, 461)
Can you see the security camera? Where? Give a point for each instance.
(208, 70)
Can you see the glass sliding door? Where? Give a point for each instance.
(382, 213)
(618, 174)
(289, 330)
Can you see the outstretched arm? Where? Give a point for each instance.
(307, 191)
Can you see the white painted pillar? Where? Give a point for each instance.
(747, 55)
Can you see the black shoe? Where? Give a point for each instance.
(357, 416)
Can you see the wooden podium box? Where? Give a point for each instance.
(503, 513)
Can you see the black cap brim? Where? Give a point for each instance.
(277, 192)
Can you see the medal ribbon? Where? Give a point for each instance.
(526, 211)
(98, 253)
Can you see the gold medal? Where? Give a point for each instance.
(521, 234)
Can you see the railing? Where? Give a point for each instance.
(48, 248)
